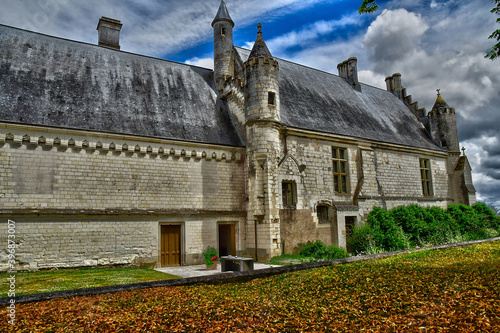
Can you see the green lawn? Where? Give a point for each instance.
(67, 279)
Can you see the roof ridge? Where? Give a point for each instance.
(97, 46)
(315, 69)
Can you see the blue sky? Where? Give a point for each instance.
(432, 43)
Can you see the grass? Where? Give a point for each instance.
(451, 290)
(289, 259)
(67, 279)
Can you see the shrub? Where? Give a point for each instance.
(444, 229)
(486, 216)
(415, 221)
(334, 252)
(360, 240)
(316, 250)
(466, 217)
(386, 233)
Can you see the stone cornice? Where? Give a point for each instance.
(127, 144)
(362, 143)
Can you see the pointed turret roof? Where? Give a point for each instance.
(222, 14)
(440, 103)
(259, 47)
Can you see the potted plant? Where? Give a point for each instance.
(210, 255)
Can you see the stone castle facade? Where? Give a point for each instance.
(108, 157)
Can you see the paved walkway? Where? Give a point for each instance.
(201, 270)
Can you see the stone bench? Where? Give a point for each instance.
(236, 264)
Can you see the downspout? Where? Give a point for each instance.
(285, 134)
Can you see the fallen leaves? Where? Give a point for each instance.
(443, 291)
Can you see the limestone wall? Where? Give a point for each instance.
(379, 175)
(75, 241)
(75, 171)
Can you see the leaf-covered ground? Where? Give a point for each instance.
(455, 290)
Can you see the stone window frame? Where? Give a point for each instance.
(271, 98)
(340, 170)
(323, 217)
(289, 193)
(426, 177)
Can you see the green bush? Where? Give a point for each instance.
(333, 252)
(486, 216)
(386, 233)
(467, 218)
(407, 226)
(315, 249)
(319, 251)
(415, 221)
(360, 240)
(444, 229)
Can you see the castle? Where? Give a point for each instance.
(108, 157)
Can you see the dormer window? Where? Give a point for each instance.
(271, 98)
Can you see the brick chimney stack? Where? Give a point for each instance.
(109, 32)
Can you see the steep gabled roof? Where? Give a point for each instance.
(319, 101)
(56, 82)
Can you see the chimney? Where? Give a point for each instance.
(109, 32)
(394, 86)
(349, 70)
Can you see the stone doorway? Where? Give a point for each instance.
(170, 245)
(227, 241)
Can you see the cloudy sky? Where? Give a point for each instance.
(432, 43)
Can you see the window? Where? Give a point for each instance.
(340, 171)
(223, 31)
(425, 173)
(322, 212)
(289, 193)
(271, 98)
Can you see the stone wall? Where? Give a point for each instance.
(75, 241)
(84, 199)
(379, 175)
(75, 171)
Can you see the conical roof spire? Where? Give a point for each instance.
(439, 103)
(222, 14)
(259, 47)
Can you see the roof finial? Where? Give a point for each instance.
(438, 92)
(259, 26)
(463, 149)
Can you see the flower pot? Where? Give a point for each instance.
(213, 267)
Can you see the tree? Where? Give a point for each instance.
(370, 6)
(495, 50)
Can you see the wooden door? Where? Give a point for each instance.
(227, 242)
(170, 245)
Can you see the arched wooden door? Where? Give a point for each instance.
(170, 245)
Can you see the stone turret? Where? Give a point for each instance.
(443, 125)
(262, 82)
(262, 123)
(223, 47)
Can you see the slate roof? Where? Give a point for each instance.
(319, 101)
(222, 14)
(51, 81)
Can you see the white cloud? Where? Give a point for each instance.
(201, 62)
(310, 33)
